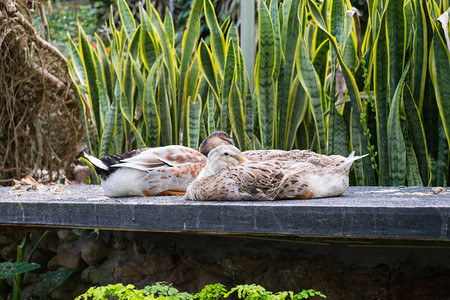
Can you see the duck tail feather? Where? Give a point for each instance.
(347, 164)
(95, 161)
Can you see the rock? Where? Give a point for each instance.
(67, 235)
(9, 252)
(68, 257)
(100, 276)
(60, 294)
(50, 243)
(158, 262)
(281, 280)
(4, 239)
(94, 251)
(52, 264)
(130, 271)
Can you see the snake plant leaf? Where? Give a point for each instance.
(274, 14)
(311, 83)
(164, 109)
(440, 75)
(337, 137)
(77, 63)
(87, 56)
(126, 18)
(147, 44)
(337, 21)
(127, 88)
(193, 114)
(413, 177)
(134, 46)
(396, 39)
(139, 82)
(237, 118)
(84, 113)
(192, 79)
(298, 103)
(124, 107)
(442, 158)
(211, 109)
(381, 87)
(207, 66)
(105, 65)
(396, 142)
(151, 116)
(169, 55)
(108, 129)
(118, 141)
(248, 113)
(419, 60)
(264, 77)
(417, 133)
(228, 80)
(217, 39)
(188, 44)
(168, 25)
(290, 52)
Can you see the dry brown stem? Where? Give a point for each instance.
(40, 127)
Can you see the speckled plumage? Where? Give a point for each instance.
(306, 175)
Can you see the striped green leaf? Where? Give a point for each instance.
(207, 65)
(439, 68)
(417, 133)
(298, 103)
(151, 117)
(293, 37)
(193, 114)
(217, 39)
(419, 60)
(311, 83)
(412, 166)
(108, 129)
(230, 65)
(77, 62)
(189, 42)
(396, 36)
(237, 118)
(381, 57)
(164, 109)
(263, 77)
(396, 143)
(87, 56)
(126, 17)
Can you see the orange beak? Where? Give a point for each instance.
(242, 159)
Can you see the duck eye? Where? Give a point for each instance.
(226, 153)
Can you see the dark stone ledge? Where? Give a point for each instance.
(362, 212)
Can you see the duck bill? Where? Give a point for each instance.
(242, 159)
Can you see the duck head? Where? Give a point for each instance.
(214, 140)
(221, 157)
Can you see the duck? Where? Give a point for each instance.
(230, 175)
(291, 156)
(166, 170)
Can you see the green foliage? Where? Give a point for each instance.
(164, 291)
(10, 269)
(320, 83)
(167, 291)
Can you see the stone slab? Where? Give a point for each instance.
(362, 212)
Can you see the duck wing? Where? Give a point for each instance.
(168, 156)
(247, 181)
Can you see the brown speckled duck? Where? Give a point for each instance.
(164, 170)
(229, 175)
